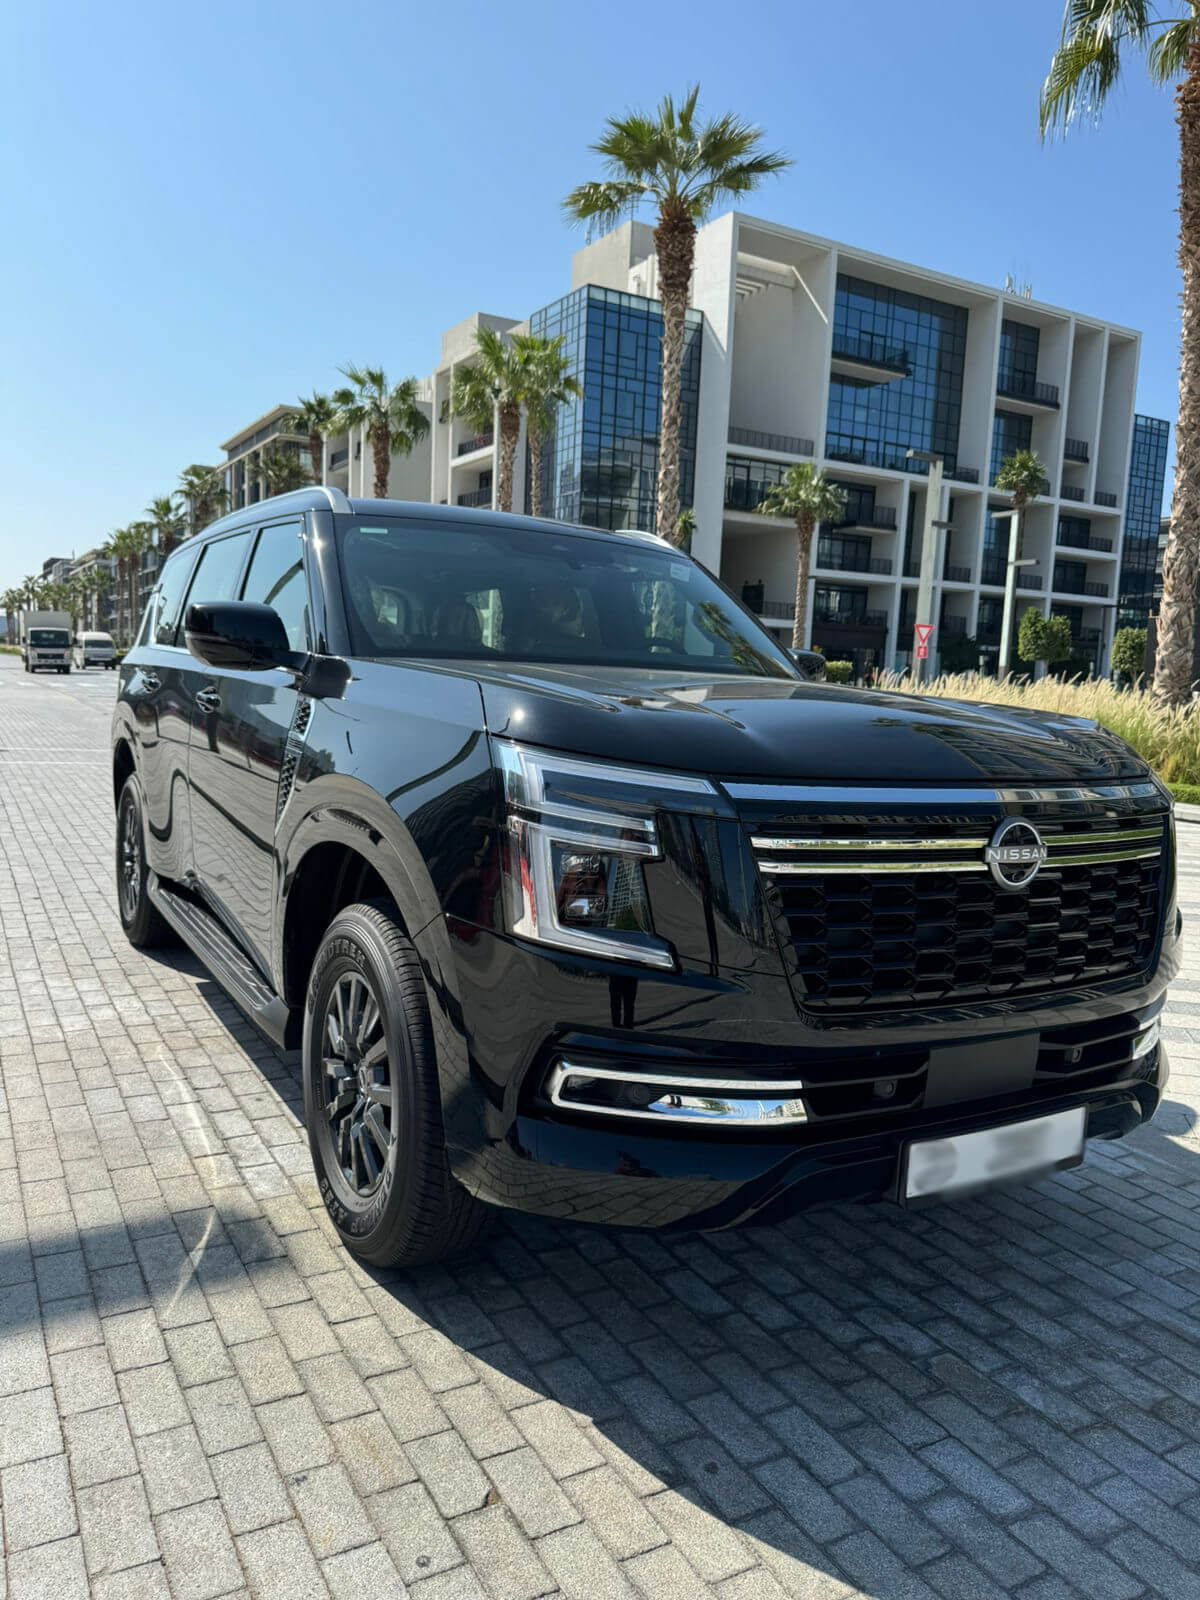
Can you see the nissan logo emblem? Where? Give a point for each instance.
(1015, 853)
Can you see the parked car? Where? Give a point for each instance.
(577, 899)
(94, 650)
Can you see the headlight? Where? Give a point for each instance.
(578, 835)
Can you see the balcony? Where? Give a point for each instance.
(481, 441)
(1079, 542)
(954, 627)
(956, 574)
(1070, 492)
(993, 573)
(1105, 498)
(851, 619)
(476, 497)
(963, 474)
(868, 357)
(882, 517)
(1027, 391)
(784, 444)
(1064, 585)
(842, 556)
(1076, 450)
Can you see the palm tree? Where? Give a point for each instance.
(684, 167)
(388, 414)
(1082, 73)
(32, 588)
(807, 496)
(12, 601)
(685, 528)
(491, 391)
(168, 522)
(283, 471)
(204, 490)
(1023, 476)
(315, 416)
(548, 383)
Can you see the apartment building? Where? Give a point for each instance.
(803, 349)
(271, 433)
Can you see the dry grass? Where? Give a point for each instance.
(1168, 740)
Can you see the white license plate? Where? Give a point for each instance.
(977, 1160)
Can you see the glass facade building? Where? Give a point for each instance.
(600, 466)
(1143, 509)
(877, 422)
(1017, 372)
(1011, 431)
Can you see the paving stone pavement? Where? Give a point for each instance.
(202, 1395)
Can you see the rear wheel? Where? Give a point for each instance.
(371, 1098)
(143, 924)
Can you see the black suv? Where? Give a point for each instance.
(579, 899)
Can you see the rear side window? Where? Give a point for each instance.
(276, 578)
(167, 600)
(218, 570)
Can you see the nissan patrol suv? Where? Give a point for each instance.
(577, 898)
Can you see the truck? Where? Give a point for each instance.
(45, 639)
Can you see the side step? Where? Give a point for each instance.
(237, 975)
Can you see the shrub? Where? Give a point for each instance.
(1129, 651)
(839, 671)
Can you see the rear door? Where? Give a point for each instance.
(239, 732)
(157, 689)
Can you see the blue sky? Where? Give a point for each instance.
(208, 209)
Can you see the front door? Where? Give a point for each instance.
(239, 731)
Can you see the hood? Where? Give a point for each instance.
(775, 728)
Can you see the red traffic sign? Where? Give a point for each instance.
(924, 632)
(922, 652)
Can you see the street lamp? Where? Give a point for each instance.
(933, 508)
(1010, 590)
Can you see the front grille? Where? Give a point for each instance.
(882, 914)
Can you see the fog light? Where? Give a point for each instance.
(1145, 1041)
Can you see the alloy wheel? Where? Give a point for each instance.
(357, 1083)
(130, 861)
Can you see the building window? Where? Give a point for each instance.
(600, 466)
(1011, 431)
(1140, 554)
(877, 423)
(1017, 372)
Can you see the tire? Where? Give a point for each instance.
(144, 925)
(381, 1169)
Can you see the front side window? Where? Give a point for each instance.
(162, 618)
(276, 578)
(218, 570)
(517, 594)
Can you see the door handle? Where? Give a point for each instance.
(208, 700)
(151, 682)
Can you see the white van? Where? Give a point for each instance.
(94, 650)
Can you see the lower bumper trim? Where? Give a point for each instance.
(662, 1097)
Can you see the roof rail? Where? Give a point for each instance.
(317, 497)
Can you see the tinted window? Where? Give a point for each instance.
(276, 578)
(525, 594)
(219, 569)
(163, 612)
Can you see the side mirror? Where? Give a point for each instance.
(239, 635)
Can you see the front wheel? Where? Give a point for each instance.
(144, 926)
(371, 1098)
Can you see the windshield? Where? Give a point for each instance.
(498, 593)
(48, 638)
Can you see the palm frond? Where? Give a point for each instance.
(1087, 62)
(1167, 55)
(605, 201)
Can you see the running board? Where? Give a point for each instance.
(237, 975)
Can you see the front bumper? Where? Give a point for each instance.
(626, 1178)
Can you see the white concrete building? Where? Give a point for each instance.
(807, 350)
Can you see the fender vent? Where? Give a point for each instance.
(291, 755)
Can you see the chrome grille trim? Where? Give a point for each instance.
(728, 1102)
(761, 843)
(861, 797)
(868, 869)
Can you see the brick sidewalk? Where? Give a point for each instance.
(201, 1394)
